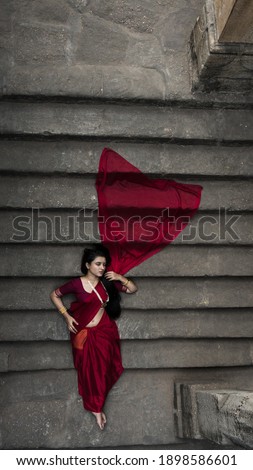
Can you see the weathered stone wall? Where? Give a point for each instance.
(222, 48)
(93, 48)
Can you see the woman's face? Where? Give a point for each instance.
(97, 266)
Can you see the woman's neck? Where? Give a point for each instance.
(91, 278)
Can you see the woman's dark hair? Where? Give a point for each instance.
(113, 308)
(89, 254)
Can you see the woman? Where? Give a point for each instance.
(93, 331)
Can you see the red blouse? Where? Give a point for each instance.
(87, 304)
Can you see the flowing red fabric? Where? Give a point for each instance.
(137, 215)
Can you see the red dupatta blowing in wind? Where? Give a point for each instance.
(137, 215)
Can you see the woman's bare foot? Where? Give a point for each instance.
(101, 420)
(103, 417)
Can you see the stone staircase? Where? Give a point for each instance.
(191, 319)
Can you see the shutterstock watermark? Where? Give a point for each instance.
(83, 227)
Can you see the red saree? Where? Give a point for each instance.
(96, 350)
(137, 215)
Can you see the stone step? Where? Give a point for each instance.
(48, 401)
(134, 324)
(122, 82)
(137, 354)
(172, 261)
(31, 293)
(138, 121)
(166, 159)
(78, 227)
(79, 191)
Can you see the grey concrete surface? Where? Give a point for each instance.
(136, 354)
(78, 192)
(131, 121)
(172, 261)
(48, 402)
(74, 227)
(99, 49)
(73, 60)
(171, 159)
(134, 324)
(172, 293)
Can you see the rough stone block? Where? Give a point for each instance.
(184, 17)
(141, 18)
(145, 52)
(186, 418)
(100, 42)
(47, 13)
(39, 44)
(79, 5)
(189, 413)
(7, 10)
(225, 416)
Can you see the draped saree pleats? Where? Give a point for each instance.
(98, 363)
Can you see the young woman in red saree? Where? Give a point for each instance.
(137, 216)
(93, 332)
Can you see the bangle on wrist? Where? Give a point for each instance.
(63, 310)
(125, 283)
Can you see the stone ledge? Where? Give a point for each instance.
(89, 81)
(134, 324)
(129, 121)
(114, 82)
(78, 192)
(46, 233)
(172, 261)
(175, 293)
(141, 354)
(166, 159)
